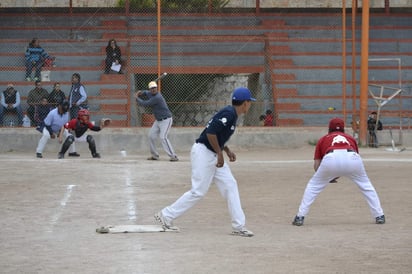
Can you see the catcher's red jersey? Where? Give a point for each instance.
(334, 140)
(80, 128)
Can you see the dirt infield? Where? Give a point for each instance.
(50, 209)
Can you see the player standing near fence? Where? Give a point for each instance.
(161, 126)
(337, 155)
(208, 164)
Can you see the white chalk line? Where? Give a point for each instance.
(55, 218)
(131, 205)
(311, 161)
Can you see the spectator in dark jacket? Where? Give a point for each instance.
(113, 55)
(35, 56)
(41, 111)
(34, 98)
(10, 101)
(56, 95)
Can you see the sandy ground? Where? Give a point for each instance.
(50, 209)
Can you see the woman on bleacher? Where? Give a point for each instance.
(113, 57)
(35, 57)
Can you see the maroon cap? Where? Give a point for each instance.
(336, 124)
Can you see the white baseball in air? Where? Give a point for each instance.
(165, 73)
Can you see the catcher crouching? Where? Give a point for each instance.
(77, 128)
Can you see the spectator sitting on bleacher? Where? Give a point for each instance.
(10, 102)
(56, 95)
(35, 57)
(113, 57)
(41, 111)
(34, 98)
(268, 118)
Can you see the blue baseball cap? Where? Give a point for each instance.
(242, 94)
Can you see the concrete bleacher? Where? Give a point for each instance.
(303, 51)
(306, 67)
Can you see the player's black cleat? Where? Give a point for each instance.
(38, 155)
(74, 154)
(60, 155)
(298, 221)
(96, 155)
(380, 219)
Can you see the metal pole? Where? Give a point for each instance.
(363, 112)
(354, 8)
(344, 59)
(127, 7)
(387, 6)
(158, 39)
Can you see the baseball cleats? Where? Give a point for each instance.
(74, 154)
(298, 221)
(38, 155)
(380, 219)
(161, 219)
(96, 155)
(60, 155)
(244, 232)
(151, 158)
(174, 159)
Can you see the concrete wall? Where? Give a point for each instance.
(232, 3)
(134, 140)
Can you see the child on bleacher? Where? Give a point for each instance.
(35, 57)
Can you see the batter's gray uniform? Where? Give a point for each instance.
(162, 124)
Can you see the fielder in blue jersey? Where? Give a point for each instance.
(208, 165)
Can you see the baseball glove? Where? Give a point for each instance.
(104, 122)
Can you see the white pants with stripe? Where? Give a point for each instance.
(204, 172)
(160, 129)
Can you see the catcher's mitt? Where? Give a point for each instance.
(104, 122)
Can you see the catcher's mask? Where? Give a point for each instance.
(83, 115)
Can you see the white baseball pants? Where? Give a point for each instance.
(204, 172)
(340, 163)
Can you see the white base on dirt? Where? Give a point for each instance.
(135, 229)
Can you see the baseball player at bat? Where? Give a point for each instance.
(337, 155)
(208, 165)
(161, 126)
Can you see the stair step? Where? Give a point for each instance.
(279, 77)
(289, 122)
(288, 106)
(111, 92)
(113, 107)
(287, 92)
(115, 35)
(282, 62)
(276, 50)
(113, 78)
(273, 22)
(114, 23)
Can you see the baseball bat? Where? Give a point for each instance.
(163, 75)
